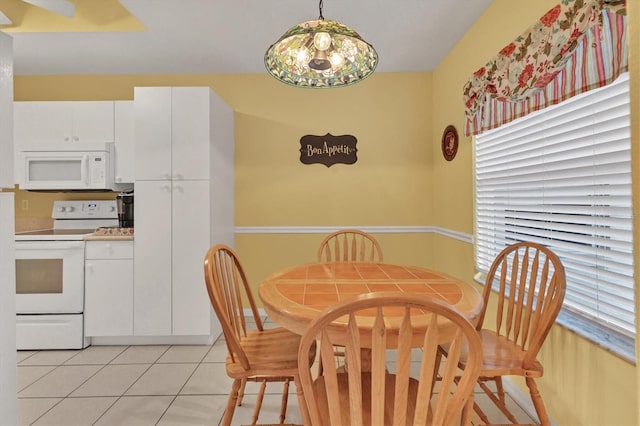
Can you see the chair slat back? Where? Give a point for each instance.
(531, 282)
(349, 245)
(228, 291)
(383, 395)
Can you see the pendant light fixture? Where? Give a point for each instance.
(320, 54)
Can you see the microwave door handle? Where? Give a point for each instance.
(84, 169)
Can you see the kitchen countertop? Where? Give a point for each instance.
(110, 234)
(95, 237)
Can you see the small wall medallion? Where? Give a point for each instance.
(449, 143)
(328, 149)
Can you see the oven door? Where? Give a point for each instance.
(49, 277)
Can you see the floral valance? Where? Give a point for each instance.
(576, 46)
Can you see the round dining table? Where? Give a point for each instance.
(295, 296)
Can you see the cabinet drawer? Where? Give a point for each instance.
(109, 250)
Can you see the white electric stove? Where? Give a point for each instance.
(50, 275)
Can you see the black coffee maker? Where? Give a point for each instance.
(125, 209)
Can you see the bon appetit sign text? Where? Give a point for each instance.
(328, 149)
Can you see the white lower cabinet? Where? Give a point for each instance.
(108, 309)
(152, 271)
(170, 295)
(191, 306)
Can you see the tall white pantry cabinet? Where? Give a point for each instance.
(184, 171)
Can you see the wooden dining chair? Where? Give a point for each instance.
(531, 281)
(260, 355)
(349, 245)
(383, 394)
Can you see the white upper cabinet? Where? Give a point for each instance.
(124, 172)
(42, 123)
(152, 130)
(172, 133)
(191, 132)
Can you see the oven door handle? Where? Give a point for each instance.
(52, 245)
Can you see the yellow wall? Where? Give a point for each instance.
(583, 383)
(389, 114)
(400, 179)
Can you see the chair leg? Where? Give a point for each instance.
(499, 402)
(241, 391)
(285, 400)
(480, 413)
(304, 410)
(499, 388)
(256, 411)
(231, 403)
(465, 420)
(537, 401)
(436, 369)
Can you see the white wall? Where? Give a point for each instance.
(8, 395)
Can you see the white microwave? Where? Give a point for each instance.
(65, 167)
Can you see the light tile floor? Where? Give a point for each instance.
(148, 385)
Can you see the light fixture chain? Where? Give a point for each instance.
(320, 7)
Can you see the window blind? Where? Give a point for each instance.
(562, 177)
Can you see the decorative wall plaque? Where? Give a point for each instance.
(328, 149)
(449, 143)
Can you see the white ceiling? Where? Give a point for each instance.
(231, 36)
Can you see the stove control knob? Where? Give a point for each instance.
(112, 209)
(62, 209)
(70, 209)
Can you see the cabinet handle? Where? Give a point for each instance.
(166, 187)
(66, 139)
(177, 176)
(75, 138)
(178, 188)
(166, 175)
(90, 268)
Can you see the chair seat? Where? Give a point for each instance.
(501, 357)
(343, 390)
(268, 351)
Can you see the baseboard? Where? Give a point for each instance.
(151, 340)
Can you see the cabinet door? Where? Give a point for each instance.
(108, 303)
(37, 124)
(191, 239)
(152, 259)
(191, 121)
(92, 121)
(123, 113)
(152, 130)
